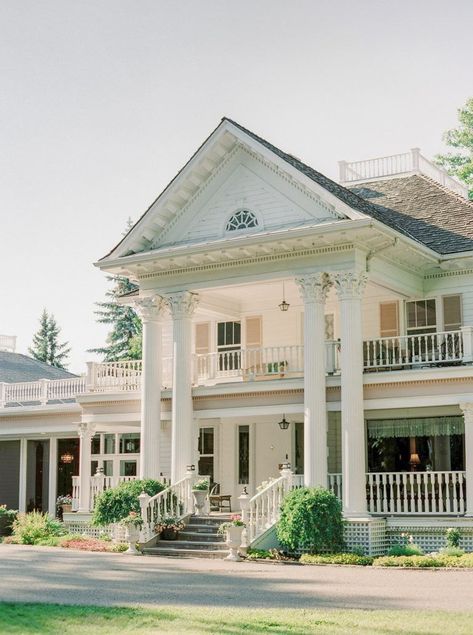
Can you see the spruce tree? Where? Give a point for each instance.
(124, 340)
(46, 347)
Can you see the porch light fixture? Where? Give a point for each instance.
(67, 457)
(190, 468)
(283, 424)
(284, 306)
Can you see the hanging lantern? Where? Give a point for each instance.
(67, 457)
(284, 306)
(283, 424)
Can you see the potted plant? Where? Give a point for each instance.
(169, 527)
(7, 516)
(200, 491)
(233, 530)
(65, 502)
(282, 368)
(132, 523)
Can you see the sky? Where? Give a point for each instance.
(102, 102)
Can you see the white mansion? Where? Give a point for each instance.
(286, 318)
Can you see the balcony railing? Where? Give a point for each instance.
(449, 348)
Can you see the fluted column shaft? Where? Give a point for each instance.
(467, 409)
(350, 287)
(182, 306)
(314, 289)
(151, 310)
(86, 432)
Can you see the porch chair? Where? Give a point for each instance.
(217, 500)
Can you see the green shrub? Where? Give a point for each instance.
(116, 503)
(409, 549)
(459, 562)
(264, 554)
(337, 558)
(456, 552)
(453, 536)
(311, 519)
(36, 528)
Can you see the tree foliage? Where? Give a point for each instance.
(116, 503)
(125, 338)
(46, 346)
(460, 162)
(311, 520)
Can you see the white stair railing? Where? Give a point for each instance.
(175, 500)
(264, 509)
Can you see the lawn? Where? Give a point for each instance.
(53, 618)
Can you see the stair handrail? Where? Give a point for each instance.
(174, 500)
(264, 508)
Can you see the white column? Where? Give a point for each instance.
(151, 311)
(314, 288)
(467, 409)
(182, 306)
(52, 482)
(22, 480)
(350, 286)
(86, 432)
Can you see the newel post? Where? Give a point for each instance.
(91, 376)
(144, 499)
(244, 499)
(467, 336)
(3, 394)
(43, 399)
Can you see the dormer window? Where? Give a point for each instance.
(243, 219)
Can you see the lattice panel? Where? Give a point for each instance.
(429, 538)
(115, 532)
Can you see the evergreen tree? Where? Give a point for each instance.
(460, 163)
(46, 346)
(124, 340)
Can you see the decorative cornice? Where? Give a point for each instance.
(349, 284)
(150, 309)
(182, 304)
(238, 262)
(448, 274)
(314, 287)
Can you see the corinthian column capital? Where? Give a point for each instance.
(349, 284)
(182, 304)
(314, 287)
(151, 308)
(86, 430)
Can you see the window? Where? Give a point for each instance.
(421, 317)
(243, 455)
(130, 443)
(228, 345)
(452, 312)
(109, 444)
(95, 444)
(128, 468)
(206, 452)
(243, 219)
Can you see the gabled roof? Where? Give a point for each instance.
(15, 367)
(422, 209)
(414, 206)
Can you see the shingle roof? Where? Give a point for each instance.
(421, 208)
(415, 206)
(15, 367)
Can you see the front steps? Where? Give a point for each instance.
(198, 540)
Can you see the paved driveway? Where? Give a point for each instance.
(43, 574)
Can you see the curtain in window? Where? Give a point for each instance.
(418, 427)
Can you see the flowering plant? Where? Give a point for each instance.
(132, 520)
(169, 522)
(8, 513)
(235, 521)
(202, 484)
(64, 500)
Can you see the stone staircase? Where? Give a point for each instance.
(198, 540)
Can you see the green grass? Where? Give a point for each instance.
(53, 618)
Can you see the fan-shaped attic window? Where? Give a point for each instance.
(243, 219)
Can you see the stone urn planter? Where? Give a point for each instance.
(132, 535)
(200, 496)
(233, 541)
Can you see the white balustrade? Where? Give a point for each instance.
(75, 493)
(116, 376)
(65, 389)
(413, 351)
(264, 508)
(176, 500)
(334, 482)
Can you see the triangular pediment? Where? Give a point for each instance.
(235, 170)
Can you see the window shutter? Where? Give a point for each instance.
(389, 319)
(452, 312)
(254, 332)
(202, 338)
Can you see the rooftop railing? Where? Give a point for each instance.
(412, 162)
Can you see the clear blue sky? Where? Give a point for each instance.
(102, 101)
